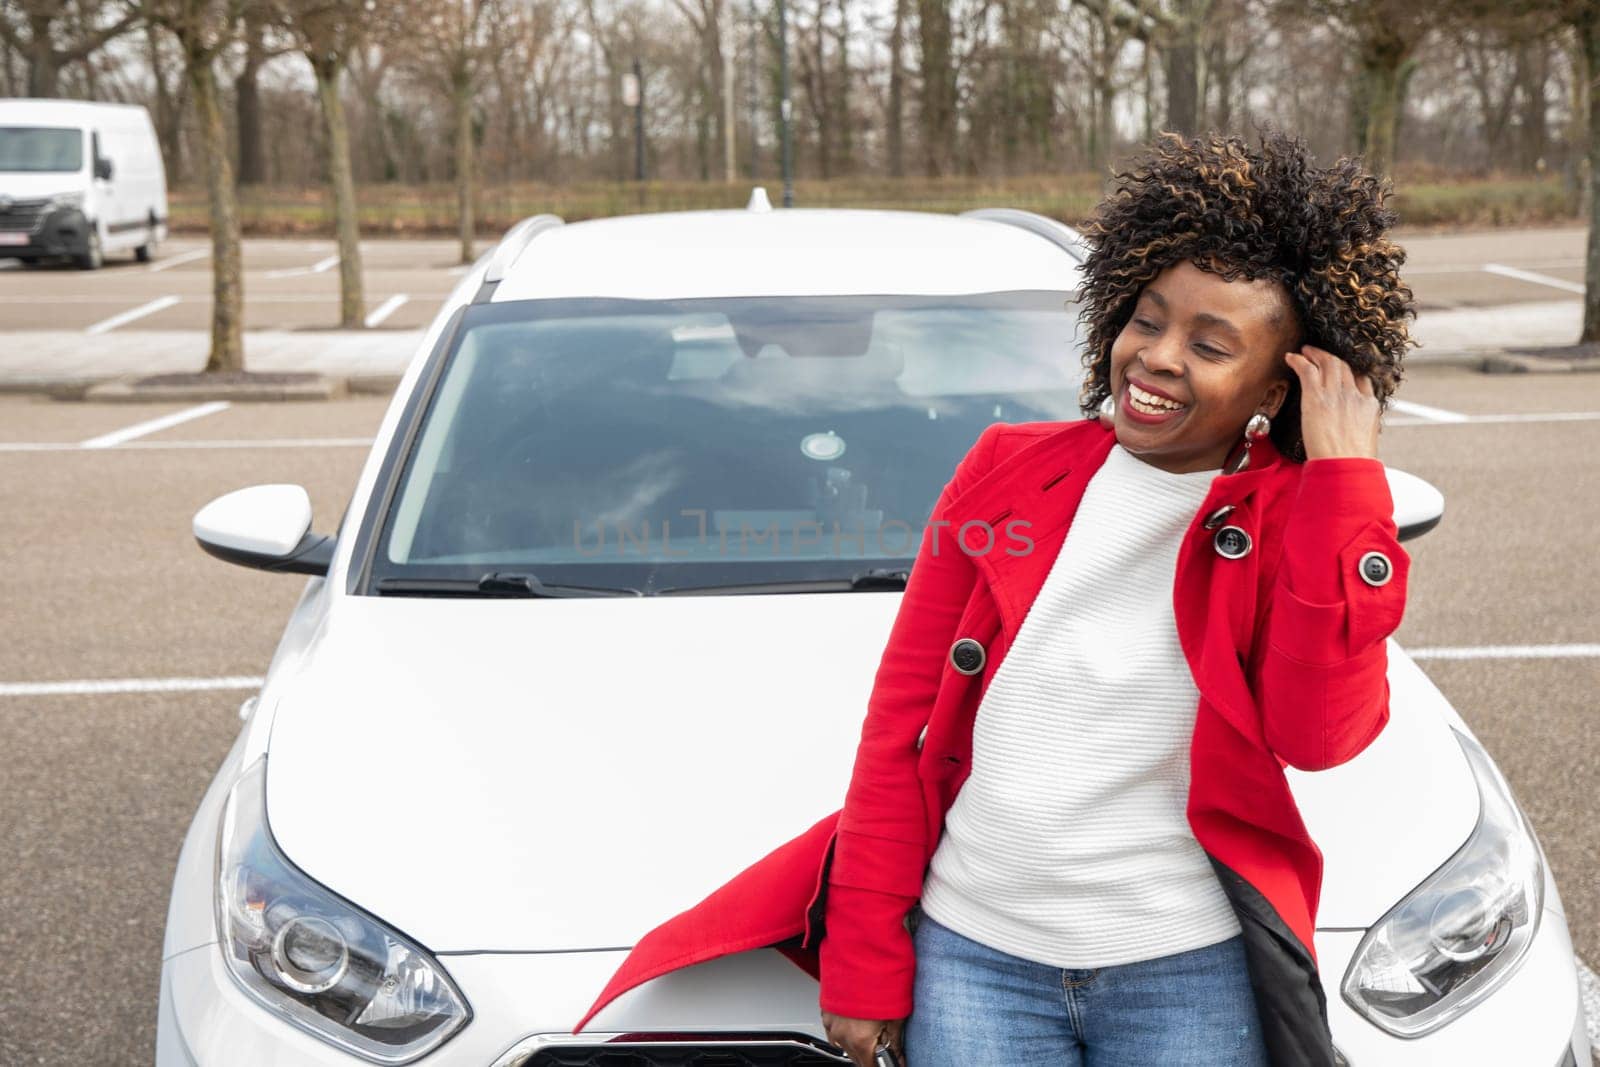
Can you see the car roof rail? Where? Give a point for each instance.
(1059, 234)
(512, 245)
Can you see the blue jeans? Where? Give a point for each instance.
(975, 1006)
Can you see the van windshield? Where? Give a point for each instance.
(41, 149)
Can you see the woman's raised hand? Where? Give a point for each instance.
(1338, 411)
(859, 1037)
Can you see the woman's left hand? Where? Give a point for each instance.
(1338, 411)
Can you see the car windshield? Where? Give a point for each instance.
(713, 443)
(42, 149)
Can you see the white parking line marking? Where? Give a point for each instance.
(98, 686)
(1423, 411)
(160, 303)
(1529, 276)
(1591, 1002)
(263, 298)
(1524, 416)
(318, 267)
(156, 446)
(149, 426)
(1506, 652)
(387, 308)
(1468, 269)
(176, 261)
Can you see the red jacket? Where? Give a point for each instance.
(1286, 645)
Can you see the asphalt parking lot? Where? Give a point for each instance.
(289, 284)
(293, 284)
(103, 584)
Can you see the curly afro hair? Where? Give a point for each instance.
(1241, 212)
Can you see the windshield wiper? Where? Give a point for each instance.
(875, 578)
(495, 584)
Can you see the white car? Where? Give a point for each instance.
(456, 804)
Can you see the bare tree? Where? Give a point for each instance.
(938, 69)
(327, 33)
(171, 100)
(1384, 36)
(1483, 57)
(1584, 18)
(247, 95)
(1097, 37)
(897, 91)
(203, 29)
(53, 34)
(707, 18)
(450, 48)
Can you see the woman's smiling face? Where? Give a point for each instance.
(1198, 357)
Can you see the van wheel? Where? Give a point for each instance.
(93, 256)
(147, 251)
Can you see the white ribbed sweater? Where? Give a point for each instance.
(1068, 843)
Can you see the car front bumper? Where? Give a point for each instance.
(205, 1019)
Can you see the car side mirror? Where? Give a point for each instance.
(1418, 506)
(102, 168)
(267, 527)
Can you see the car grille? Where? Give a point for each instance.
(687, 1050)
(22, 216)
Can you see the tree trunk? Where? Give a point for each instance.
(714, 78)
(461, 93)
(227, 275)
(1587, 23)
(844, 136)
(44, 67)
(938, 86)
(1384, 83)
(897, 92)
(169, 100)
(352, 301)
(247, 110)
(820, 93)
(1533, 72)
(1575, 163)
(725, 22)
(1181, 66)
(1103, 93)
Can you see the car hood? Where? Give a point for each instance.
(545, 775)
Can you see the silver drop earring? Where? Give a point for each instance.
(1108, 412)
(1254, 430)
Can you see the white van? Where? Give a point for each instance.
(79, 179)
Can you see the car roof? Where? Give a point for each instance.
(784, 252)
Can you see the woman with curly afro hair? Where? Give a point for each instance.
(1068, 836)
(1121, 876)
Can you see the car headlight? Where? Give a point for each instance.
(1460, 934)
(313, 958)
(64, 200)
